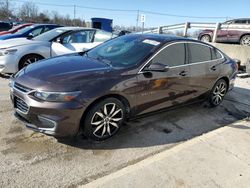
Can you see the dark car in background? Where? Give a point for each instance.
(5, 26)
(95, 91)
(15, 29)
(238, 36)
(30, 31)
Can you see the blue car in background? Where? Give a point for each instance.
(31, 31)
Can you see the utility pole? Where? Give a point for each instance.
(7, 9)
(137, 20)
(74, 15)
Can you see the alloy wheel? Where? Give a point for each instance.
(106, 121)
(205, 38)
(219, 92)
(245, 40)
(30, 60)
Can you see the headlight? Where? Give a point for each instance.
(11, 85)
(56, 96)
(7, 51)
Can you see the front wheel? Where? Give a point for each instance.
(104, 119)
(28, 59)
(218, 93)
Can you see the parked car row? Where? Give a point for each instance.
(15, 29)
(95, 91)
(20, 52)
(227, 35)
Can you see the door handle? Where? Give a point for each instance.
(183, 73)
(213, 68)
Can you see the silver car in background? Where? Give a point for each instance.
(18, 53)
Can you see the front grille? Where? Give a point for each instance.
(21, 105)
(21, 88)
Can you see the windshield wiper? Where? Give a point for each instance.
(84, 53)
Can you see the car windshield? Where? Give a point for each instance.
(50, 35)
(124, 51)
(16, 27)
(24, 30)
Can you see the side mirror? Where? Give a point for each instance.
(157, 67)
(58, 40)
(30, 36)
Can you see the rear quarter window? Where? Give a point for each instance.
(215, 54)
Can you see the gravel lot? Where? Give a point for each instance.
(29, 159)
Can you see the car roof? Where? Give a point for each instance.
(76, 28)
(45, 25)
(23, 24)
(237, 19)
(164, 38)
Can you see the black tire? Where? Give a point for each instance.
(100, 124)
(245, 40)
(28, 59)
(218, 93)
(206, 38)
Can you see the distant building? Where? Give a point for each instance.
(102, 23)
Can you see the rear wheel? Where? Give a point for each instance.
(28, 59)
(245, 40)
(218, 93)
(104, 119)
(206, 38)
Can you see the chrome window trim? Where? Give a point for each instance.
(180, 42)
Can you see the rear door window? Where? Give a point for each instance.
(173, 55)
(241, 21)
(79, 37)
(198, 53)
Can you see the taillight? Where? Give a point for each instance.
(237, 66)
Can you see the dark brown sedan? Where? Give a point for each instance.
(96, 91)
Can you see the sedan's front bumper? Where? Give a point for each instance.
(9, 64)
(51, 118)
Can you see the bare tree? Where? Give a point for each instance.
(28, 11)
(43, 18)
(6, 10)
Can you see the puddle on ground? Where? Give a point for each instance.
(33, 143)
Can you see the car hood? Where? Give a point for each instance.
(17, 42)
(54, 73)
(10, 36)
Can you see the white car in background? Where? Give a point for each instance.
(18, 53)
